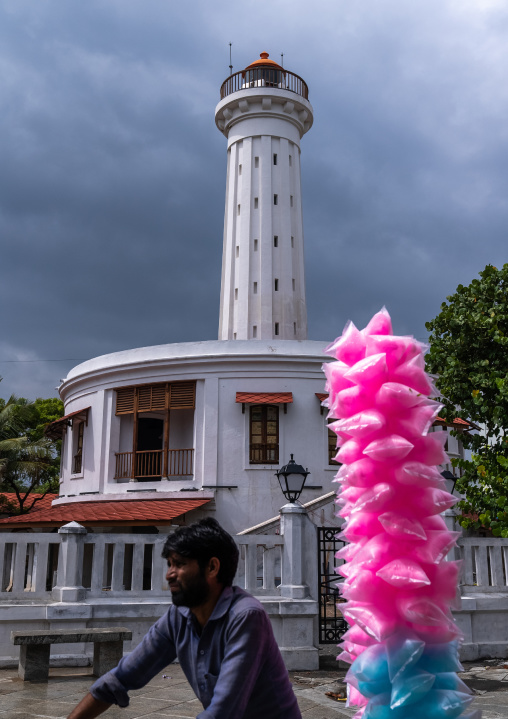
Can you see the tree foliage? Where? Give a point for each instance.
(29, 461)
(469, 355)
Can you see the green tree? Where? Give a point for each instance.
(469, 355)
(29, 461)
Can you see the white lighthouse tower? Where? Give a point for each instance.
(263, 112)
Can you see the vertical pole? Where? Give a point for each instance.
(134, 437)
(166, 432)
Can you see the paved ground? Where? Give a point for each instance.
(168, 696)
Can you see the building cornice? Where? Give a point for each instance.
(190, 359)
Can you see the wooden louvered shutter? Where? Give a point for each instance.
(182, 395)
(125, 400)
(158, 396)
(151, 398)
(144, 399)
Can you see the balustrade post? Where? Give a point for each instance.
(69, 585)
(292, 527)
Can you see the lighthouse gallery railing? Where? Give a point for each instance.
(264, 76)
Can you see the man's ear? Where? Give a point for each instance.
(213, 567)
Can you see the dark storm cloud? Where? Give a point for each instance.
(112, 172)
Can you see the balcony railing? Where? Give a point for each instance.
(264, 76)
(154, 464)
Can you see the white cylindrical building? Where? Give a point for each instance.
(264, 112)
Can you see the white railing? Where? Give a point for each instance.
(109, 565)
(74, 565)
(485, 567)
(260, 564)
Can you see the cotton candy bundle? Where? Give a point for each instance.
(402, 642)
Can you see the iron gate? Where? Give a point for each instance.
(332, 624)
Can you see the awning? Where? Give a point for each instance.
(130, 512)
(321, 397)
(284, 398)
(264, 397)
(56, 429)
(456, 423)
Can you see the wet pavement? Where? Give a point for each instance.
(169, 696)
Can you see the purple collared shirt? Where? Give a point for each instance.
(233, 663)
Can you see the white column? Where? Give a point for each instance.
(292, 521)
(69, 587)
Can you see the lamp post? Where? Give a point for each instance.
(449, 478)
(294, 528)
(292, 479)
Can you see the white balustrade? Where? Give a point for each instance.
(485, 567)
(74, 565)
(89, 565)
(115, 565)
(259, 567)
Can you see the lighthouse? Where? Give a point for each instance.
(263, 112)
(208, 423)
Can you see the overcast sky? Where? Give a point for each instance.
(112, 172)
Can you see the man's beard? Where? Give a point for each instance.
(192, 595)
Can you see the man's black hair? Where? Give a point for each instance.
(202, 541)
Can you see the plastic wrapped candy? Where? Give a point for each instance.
(402, 642)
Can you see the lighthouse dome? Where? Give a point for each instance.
(264, 73)
(264, 61)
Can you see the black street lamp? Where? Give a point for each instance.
(292, 479)
(449, 478)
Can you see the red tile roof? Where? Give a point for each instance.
(264, 397)
(322, 396)
(42, 503)
(104, 513)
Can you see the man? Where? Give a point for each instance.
(220, 634)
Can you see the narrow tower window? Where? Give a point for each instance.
(292, 241)
(290, 161)
(254, 331)
(275, 158)
(291, 200)
(276, 285)
(256, 162)
(238, 210)
(294, 284)
(294, 328)
(255, 288)
(275, 240)
(237, 251)
(255, 245)
(255, 203)
(234, 335)
(239, 169)
(236, 293)
(276, 328)
(275, 199)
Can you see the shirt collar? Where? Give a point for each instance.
(222, 606)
